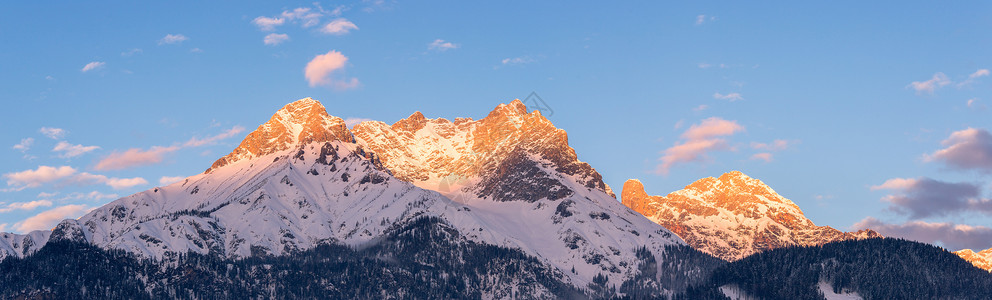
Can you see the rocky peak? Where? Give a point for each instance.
(303, 121)
(732, 216)
(981, 259)
(426, 151)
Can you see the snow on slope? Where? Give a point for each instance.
(732, 216)
(981, 259)
(300, 180)
(19, 245)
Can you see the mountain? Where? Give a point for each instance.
(732, 216)
(879, 268)
(303, 180)
(981, 259)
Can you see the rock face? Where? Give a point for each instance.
(297, 123)
(491, 153)
(981, 259)
(732, 216)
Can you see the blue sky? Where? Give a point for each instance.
(182, 83)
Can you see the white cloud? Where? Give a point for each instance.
(973, 76)
(131, 52)
(37, 177)
(3, 227)
(517, 60)
(441, 45)
(65, 175)
(895, 184)
(700, 19)
(268, 24)
(979, 73)
(338, 26)
(319, 70)
(196, 50)
(123, 183)
(134, 157)
(938, 80)
(765, 156)
(93, 66)
(167, 180)
(195, 142)
(732, 96)
(53, 133)
(698, 140)
(25, 205)
(172, 39)
(47, 195)
(24, 145)
(776, 145)
(306, 16)
(69, 150)
(49, 218)
(275, 39)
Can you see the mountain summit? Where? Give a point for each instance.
(732, 216)
(301, 122)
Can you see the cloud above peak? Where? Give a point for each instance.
(320, 70)
(93, 66)
(697, 141)
(938, 80)
(952, 236)
(441, 45)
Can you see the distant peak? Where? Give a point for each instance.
(414, 122)
(632, 187)
(734, 174)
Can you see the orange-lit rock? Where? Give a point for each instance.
(297, 123)
(732, 216)
(981, 259)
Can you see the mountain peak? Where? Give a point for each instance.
(732, 216)
(981, 259)
(300, 122)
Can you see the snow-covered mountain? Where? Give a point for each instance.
(732, 216)
(981, 259)
(302, 179)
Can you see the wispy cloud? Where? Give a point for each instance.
(730, 97)
(924, 197)
(196, 142)
(275, 39)
(49, 218)
(701, 107)
(937, 81)
(765, 156)
(702, 19)
(268, 24)
(974, 104)
(93, 66)
(517, 60)
(306, 16)
(53, 133)
(318, 71)
(776, 145)
(172, 39)
(134, 157)
(968, 149)
(441, 45)
(123, 183)
(698, 140)
(131, 52)
(69, 150)
(952, 236)
(167, 180)
(24, 145)
(340, 26)
(971, 78)
(25, 205)
(65, 175)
